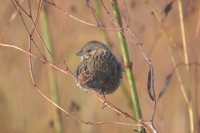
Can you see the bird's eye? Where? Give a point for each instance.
(89, 50)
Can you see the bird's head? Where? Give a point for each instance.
(91, 48)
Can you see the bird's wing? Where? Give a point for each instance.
(83, 73)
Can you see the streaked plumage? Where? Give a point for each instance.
(99, 69)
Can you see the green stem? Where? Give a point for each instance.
(52, 76)
(128, 64)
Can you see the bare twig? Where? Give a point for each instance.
(82, 21)
(67, 112)
(42, 59)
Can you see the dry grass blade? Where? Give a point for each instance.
(185, 51)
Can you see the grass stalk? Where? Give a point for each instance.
(186, 58)
(128, 64)
(185, 53)
(44, 26)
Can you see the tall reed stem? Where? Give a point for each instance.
(128, 64)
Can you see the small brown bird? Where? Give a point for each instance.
(99, 69)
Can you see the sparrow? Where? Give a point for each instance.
(99, 68)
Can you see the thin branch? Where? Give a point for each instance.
(68, 113)
(69, 15)
(42, 59)
(85, 22)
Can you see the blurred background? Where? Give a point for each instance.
(23, 110)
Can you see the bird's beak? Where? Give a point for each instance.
(80, 53)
